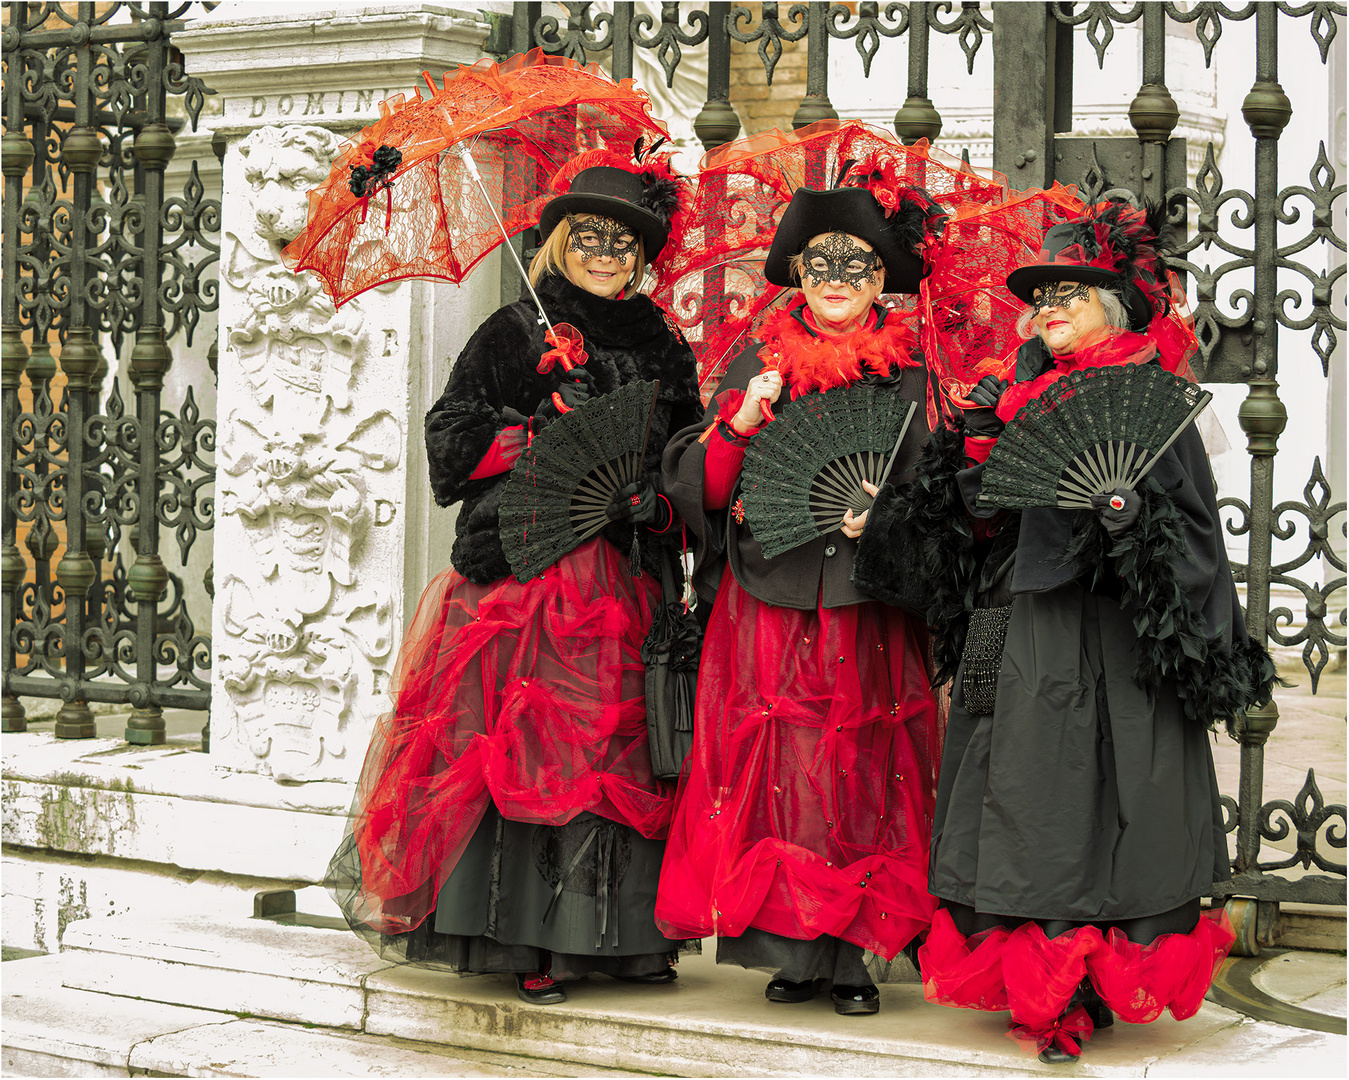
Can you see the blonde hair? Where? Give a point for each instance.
(552, 255)
(1111, 303)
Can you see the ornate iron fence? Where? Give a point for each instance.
(1032, 46)
(102, 263)
(79, 100)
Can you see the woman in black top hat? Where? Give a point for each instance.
(1078, 819)
(800, 838)
(507, 819)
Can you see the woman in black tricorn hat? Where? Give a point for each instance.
(800, 838)
(507, 819)
(1078, 820)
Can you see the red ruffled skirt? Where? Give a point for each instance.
(1020, 970)
(532, 696)
(806, 805)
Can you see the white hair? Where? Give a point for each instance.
(1111, 303)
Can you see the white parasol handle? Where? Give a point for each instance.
(472, 167)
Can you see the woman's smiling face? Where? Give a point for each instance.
(841, 279)
(601, 254)
(1068, 315)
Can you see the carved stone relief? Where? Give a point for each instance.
(309, 455)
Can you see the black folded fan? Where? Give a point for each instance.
(556, 497)
(1091, 432)
(804, 471)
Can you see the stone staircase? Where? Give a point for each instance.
(190, 995)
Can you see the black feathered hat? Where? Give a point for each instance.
(896, 236)
(644, 194)
(1113, 244)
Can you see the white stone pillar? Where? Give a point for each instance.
(326, 531)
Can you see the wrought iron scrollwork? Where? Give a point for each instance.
(1307, 814)
(868, 28)
(667, 42)
(579, 36)
(969, 27)
(770, 33)
(97, 258)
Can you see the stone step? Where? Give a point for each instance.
(51, 1030)
(714, 1021)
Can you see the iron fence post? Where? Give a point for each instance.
(917, 118)
(16, 155)
(150, 359)
(1153, 113)
(716, 122)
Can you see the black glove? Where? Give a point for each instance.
(636, 503)
(982, 421)
(988, 391)
(1117, 510)
(576, 388)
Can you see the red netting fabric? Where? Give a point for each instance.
(714, 287)
(969, 316)
(806, 805)
(529, 695)
(1173, 973)
(1034, 977)
(522, 120)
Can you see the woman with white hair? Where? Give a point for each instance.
(1078, 821)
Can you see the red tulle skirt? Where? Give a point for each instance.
(1034, 977)
(806, 805)
(532, 696)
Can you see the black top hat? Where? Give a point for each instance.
(615, 193)
(852, 210)
(1125, 262)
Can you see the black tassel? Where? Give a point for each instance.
(635, 556)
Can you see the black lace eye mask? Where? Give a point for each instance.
(838, 258)
(601, 236)
(1059, 294)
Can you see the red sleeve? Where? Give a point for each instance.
(977, 448)
(721, 465)
(504, 452)
(725, 452)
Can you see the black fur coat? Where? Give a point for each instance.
(627, 340)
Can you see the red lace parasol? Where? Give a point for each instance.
(714, 286)
(969, 315)
(427, 216)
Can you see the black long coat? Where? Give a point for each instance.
(816, 573)
(1089, 793)
(627, 340)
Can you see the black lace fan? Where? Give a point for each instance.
(804, 471)
(1091, 432)
(559, 489)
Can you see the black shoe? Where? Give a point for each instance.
(669, 975)
(793, 993)
(1052, 1055)
(855, 1000)
(538, 989)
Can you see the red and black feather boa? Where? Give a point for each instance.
(810, 362)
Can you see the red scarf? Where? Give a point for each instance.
(809, 362)
(1121, 347)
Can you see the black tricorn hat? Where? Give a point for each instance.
(614, 193)
(852, 210)
(1125, 262)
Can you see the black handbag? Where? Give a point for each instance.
(987, 634)
(670, 653)
(982, 658)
